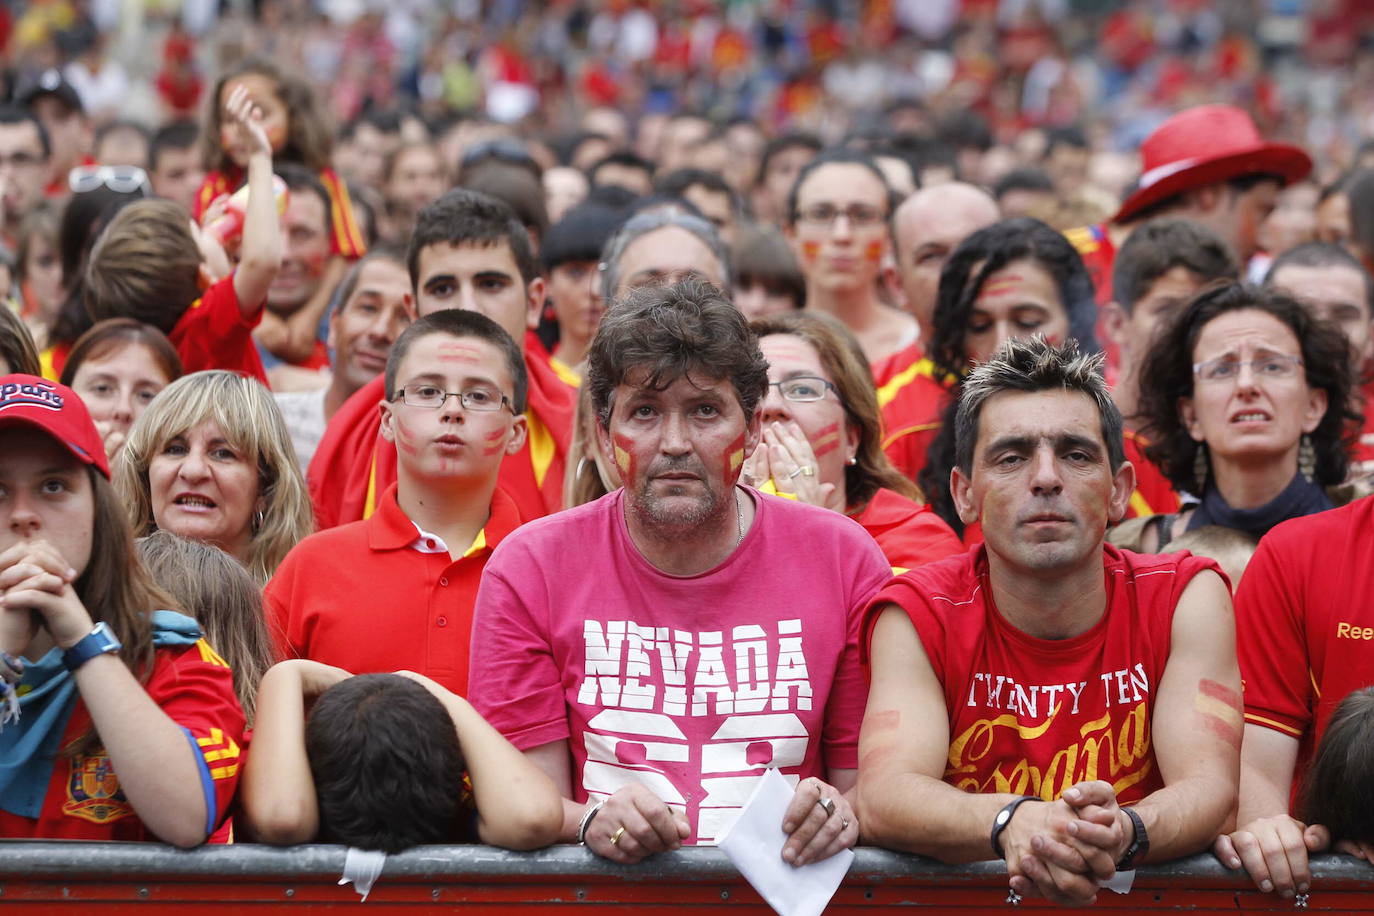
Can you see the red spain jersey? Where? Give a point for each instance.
(213, 334)
(354, 465)
(1153, 495)
(912, 402)
(345, 237)
(1094, 246)
(1035, 716)
(194, 687)
(374, 596)
(885, 369)
(909, 533)
(1305, 622)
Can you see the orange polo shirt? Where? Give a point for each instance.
(380, 595)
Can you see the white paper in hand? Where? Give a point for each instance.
(754, 843)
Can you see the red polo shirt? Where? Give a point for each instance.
(378, 595)
(213, 334)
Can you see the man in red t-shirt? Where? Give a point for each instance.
(1158, 270)
(397, 590)
(1044, 665)
(1304, 618)
(1333, 283)
(468, 251)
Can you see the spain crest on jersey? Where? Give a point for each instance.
(93, 792)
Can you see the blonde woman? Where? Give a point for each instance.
(210, 459)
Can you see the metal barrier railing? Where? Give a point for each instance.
(143, 878)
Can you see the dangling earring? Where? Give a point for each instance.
(1200, 467)
(1307, 458)
(257, 521)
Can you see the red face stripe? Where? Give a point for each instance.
(827, 441)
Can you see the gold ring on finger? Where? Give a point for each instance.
(615, 837)
(808, 471)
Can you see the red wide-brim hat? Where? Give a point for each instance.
(1206, 145)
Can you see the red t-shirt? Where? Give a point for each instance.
(912, 402)
(374, 596)
(213, 334)
(345, 237)
(195, 688)
(1035, 716)
(909, 533)
(354, 465)
(1305, 621)
(1153, 493)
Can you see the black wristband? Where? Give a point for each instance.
(1140, 843)
(1003, 818)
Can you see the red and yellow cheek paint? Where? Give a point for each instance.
(810, 250)
(874, 251)
(734, 457)
(827, 440)
(623, 450)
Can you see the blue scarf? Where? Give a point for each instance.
(1300, 497)
(29, 747)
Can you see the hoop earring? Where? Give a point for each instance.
(1200, 467)
(1307, 458)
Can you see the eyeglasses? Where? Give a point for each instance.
(125, 179)
(1265, 367)
(859, 215)
(804, 388)
(433, 397)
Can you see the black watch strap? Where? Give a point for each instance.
(1003, 818)
(1140, 844)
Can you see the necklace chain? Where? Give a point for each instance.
(739, 516)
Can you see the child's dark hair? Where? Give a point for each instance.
(145, 265)
(308, 138)
(1338, 788)
(386, 762)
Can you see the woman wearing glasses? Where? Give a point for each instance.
(210, 459)
(1247, 401)
(822, 439)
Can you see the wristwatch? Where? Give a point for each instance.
(1140, 844)
(99, 641)
(1003, 818)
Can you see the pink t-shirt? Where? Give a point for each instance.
(692, 686)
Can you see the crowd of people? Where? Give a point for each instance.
(453, 479)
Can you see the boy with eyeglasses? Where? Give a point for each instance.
(397, 589)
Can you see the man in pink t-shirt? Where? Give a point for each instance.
(658, 650)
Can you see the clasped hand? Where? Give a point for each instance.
(1061, 850)
(36, 587)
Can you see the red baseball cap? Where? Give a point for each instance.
(27, 400)
(1204, 145)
